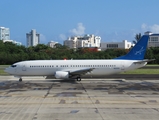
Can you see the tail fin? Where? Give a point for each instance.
(138, 51)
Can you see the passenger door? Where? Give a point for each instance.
(122, 66)
(24, 68)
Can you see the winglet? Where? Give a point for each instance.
(138, 51)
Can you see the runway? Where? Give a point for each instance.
(91, 99)
(128, 76)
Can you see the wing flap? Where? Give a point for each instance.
(81, 71)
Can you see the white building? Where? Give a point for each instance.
(33, 38)
(71, 42)
(111, 45)
(4, 33)
(52, 44)
(15, 42)
(83, 41)
(153, 39)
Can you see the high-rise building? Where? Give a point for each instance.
(33, 38)
(4, 33)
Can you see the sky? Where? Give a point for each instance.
(56, 20)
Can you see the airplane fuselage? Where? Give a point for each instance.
(49, 67)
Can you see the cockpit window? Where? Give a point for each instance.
(13, 65)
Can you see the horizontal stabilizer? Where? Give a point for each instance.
(145, 60)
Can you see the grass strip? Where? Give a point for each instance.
(142, 71)
(3, 73)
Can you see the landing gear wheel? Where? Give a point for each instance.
(78, 78)
(20, 79)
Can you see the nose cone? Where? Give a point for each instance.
(7, 70)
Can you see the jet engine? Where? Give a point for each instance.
(61, 74)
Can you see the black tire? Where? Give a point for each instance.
(20, 79)
(78, 78)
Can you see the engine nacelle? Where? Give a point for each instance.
(61, 74)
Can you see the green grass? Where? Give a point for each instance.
(152, 65)
(142, 71)
(2, 67)
(3, 73)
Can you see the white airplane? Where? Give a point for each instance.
(65, 69)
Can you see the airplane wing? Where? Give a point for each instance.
(74, 72)
(81, 71)
(145, 60)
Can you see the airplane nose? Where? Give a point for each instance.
(7, 70)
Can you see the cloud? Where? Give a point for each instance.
(143, 26)
(80, 30)
(154, 28)
(62, 36)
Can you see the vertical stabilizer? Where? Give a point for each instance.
(138, 51)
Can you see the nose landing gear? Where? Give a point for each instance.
(78, 78)
(20, 79)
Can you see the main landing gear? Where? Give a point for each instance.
(78, 78)
(20, 79)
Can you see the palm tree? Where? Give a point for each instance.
(137, 38)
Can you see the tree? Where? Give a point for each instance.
(11, 53)
(137, 38)
(58, 45)
(40, 47)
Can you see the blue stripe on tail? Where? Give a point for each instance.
(138, 51)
